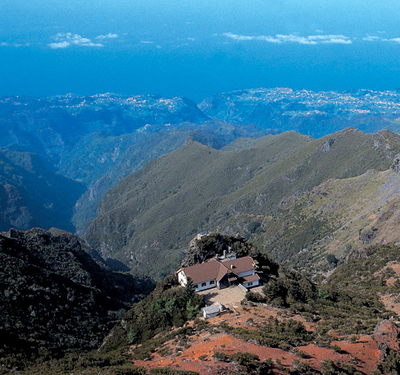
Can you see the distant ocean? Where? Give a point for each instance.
(196, 49)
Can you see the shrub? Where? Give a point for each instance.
(300, 367)
(255, 297)
(221, 356)
(336, 348)
(331, 259)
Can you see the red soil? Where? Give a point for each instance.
(197, 356)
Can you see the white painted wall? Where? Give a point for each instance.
(253, 283)
(182, 279)
(208, 285)
(246, 273)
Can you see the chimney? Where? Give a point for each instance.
(224, 254)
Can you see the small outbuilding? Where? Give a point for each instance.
(213, 310)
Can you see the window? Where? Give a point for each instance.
(212, 282)
(203, 284)
(195, 286)
(250, 284)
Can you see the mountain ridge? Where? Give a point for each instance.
(148, 223)
(98, 140)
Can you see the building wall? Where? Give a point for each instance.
(182, 279)
(205, 285)
(246, 273)
(253, 283)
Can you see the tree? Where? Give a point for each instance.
(131, 336)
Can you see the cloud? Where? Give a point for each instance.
(16, 45)
(59, 45)
(372, 38)
(65, 40)
(107, 36)
(293, 38)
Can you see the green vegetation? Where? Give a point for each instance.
(391, 363)
(328, 367)
(169, 305)
(300, 367)
(215, 243)
(289, 288)
(275, 334)
(349, 299)
(156, 211)
(247, 363)
(114, 362)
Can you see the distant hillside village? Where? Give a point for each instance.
(221, 272)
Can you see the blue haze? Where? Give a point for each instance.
(196, 48)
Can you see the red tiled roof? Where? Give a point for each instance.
(251, 278)
(222, 272)
(216, 270)
(240, 264)
(203, 272)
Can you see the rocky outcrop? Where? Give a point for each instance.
(387, 335)
(396, 164)
(207, 246)
(327, 145)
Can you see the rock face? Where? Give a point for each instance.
(327, 145)
(54, 295)
(396, 164)
(207, 246)
(387, 335)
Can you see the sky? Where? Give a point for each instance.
(196, 48)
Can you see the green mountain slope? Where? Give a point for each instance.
(31, 195)
(147, 219)
(335, 217)
(100, 160)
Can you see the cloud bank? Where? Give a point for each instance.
(293, 38)
(65, 40)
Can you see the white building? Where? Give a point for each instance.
(221, 273)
